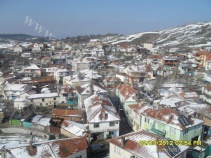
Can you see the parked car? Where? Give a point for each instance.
(98, 148)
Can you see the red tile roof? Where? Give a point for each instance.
(131, 144)
(148, 68)
(125, 89)
(58, 148)
(155, 56)
(44, 79)
(60, 112)
(208, 87)
(203, 53)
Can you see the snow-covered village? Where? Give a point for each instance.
(105, 95)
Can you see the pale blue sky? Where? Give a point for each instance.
(81, 17)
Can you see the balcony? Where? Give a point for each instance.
(73, 101)
(161, 133)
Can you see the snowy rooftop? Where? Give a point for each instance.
(20, 100)
(15, 87)
(170, 102)
(43, 121)
(47, 95)
(51, 148)
(33, 66)
(15, 140)
(138, 68)
(86, 89)
(173, 85)
(75, 128)
(132, 145)
(96, 105)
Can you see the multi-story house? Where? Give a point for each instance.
(201, 57)
(155, 59)
(172, 60)
(137, 145)
(133, 114)
(87, 90)
(136, 74)
(148, 45)
(75, 80)
(45, 100)
(187, 67)
(37, 47)
(33, 71)
(206, 90)
(59, 74)
(102, 117)
(58, 59)
(68, 93)
(126, 95)
(12, 91)
(20, 103)
(49, 70)
(170, 124)
(97, 52)
(83, 63)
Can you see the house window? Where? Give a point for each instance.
(117, 122)
(96, 125)
(112, 124)
(185, 131)
(54, 98)
(172, 131)
(116, 149)
(40, 104)
(43, 99)
(146, 120)
(78, 156)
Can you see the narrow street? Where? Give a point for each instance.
(124, 126)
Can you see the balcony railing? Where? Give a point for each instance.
(159, 132)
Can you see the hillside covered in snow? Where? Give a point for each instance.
(191, 35)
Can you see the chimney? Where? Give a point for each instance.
(31, 140)
(122, 141)
(103, 114)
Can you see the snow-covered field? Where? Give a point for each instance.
(189, 35)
